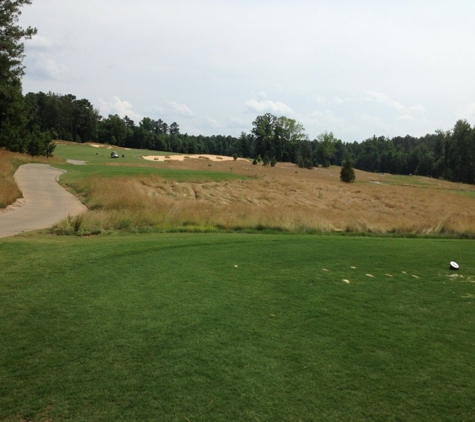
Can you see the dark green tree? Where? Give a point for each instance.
(347, 174)
(12, 111)
(11, 36)
(264, 134)
(113, 130)
(40, 143)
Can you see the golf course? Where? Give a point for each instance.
(218, 290)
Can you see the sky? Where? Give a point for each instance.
(357, 68)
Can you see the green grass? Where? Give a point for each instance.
(179, 327)
(132, 165)
(75, 173)
(88, 153)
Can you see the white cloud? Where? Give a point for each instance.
(40, 66)
(378, 97)
(321, 100)
(466, 112)
(268, 106)
(418, 108)
(365, 117)
(325, 117)
(40, 43)
(406, 117)
(119, 107)
(339, 101)
(180, 109)
(406, 112)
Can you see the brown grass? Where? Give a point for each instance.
(9, 163)
(9, 192)
(285, 198)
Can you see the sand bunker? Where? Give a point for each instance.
(183, 157)
(101, 146)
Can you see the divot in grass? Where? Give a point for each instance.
(346, 281)
(388, 275)
(415, 276)
(370, 275)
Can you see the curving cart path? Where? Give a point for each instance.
(46, 202)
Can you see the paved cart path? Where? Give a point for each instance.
(46, 202)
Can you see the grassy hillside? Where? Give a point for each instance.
(201, 195)
(236, 327)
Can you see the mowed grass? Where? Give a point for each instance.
(236, 328)
(76, 173)
(101, 155)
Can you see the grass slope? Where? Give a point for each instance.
(236, 327)
(76, 173)
(131, 194)
(243, 196)
(101, 155)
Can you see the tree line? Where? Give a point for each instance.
(29, 123)
(448, 154)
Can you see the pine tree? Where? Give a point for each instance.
(12, 111)
(347, 174)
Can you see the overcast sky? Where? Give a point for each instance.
(357, 68)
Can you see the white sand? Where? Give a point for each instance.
(101, 146)
(183, 157)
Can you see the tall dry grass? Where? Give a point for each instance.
(283, 198)
(9, 191)
(9, 163)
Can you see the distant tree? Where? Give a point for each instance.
(347, 174)
(174, 129)
(273, 162)
(277, 136)
(264, 134)
(326, 148)
(112, 130)
(289, 134)
(40, 143)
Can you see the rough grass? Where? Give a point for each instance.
(283, 198)
(8, 189)
(200, 195)
(236, 328)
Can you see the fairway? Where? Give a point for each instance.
(182, 327)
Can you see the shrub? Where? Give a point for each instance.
(347, 174)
